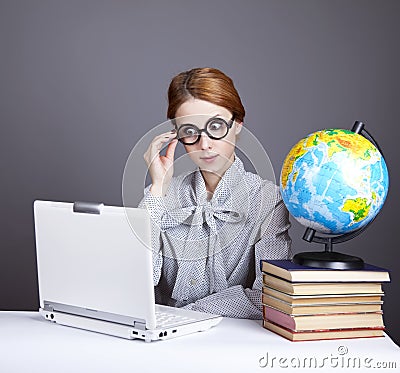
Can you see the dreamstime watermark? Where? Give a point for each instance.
(340, 359)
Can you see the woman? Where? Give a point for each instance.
(212, 226)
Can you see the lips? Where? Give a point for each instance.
(209, 158)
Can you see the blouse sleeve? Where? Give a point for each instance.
(155, 206)
(274, 243)
(235, 301)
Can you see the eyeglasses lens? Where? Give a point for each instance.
(188, 134)
(216, 129)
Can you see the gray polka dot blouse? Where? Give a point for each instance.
(207, 252)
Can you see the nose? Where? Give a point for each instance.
(205, 142)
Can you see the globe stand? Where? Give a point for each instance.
(329, 258)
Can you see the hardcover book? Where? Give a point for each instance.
(313, 288)
(319, 308)
(293, 272)
(324, 321)
(303, 303)
(323, 298)
(312, 335)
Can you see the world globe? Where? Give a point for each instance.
(334, 181)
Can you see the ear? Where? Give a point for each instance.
(238, 127)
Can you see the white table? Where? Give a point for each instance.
(28, 343)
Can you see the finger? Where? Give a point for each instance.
(160, 140)
(158, 143)
(153, 151)
(170, 152)
(165, 136)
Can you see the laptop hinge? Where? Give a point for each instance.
(140, 325)
(88, 207)
(86, 312)
(48, 307)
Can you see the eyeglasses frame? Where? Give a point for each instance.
(201, 130)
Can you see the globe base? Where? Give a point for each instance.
(328, 259)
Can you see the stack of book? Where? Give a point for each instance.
(304, 303)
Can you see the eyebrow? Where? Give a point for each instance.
(188, 123)
(185, 123)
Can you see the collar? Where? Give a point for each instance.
(230, 185)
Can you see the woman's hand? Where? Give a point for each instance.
(161, 167)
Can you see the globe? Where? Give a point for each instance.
(334, 181)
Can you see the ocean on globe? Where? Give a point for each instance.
(334, 181)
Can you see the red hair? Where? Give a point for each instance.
(206, 84)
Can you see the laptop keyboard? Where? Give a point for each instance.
(164, 319)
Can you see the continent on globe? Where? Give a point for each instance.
(334, 181)
(359, 207)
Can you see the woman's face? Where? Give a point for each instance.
(208, 154)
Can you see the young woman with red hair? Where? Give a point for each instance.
(211, 227)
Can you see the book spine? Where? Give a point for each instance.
(278, 317)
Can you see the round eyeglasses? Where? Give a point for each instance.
(216, 128)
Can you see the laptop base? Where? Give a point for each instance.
(126, 331)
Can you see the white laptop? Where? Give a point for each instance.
(96, 273)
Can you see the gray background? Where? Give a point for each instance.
(82, 81)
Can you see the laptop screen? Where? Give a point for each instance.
(94, 262)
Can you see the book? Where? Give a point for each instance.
(323, 298)
(313, 288)
(293, 272)
(305, 303)
(312, 335)
(318, 308)
(323, 321)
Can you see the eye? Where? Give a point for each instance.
(190, 131)
(215, 126)
(187, 131)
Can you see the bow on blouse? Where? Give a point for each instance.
(198, 215)
(193, 217)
